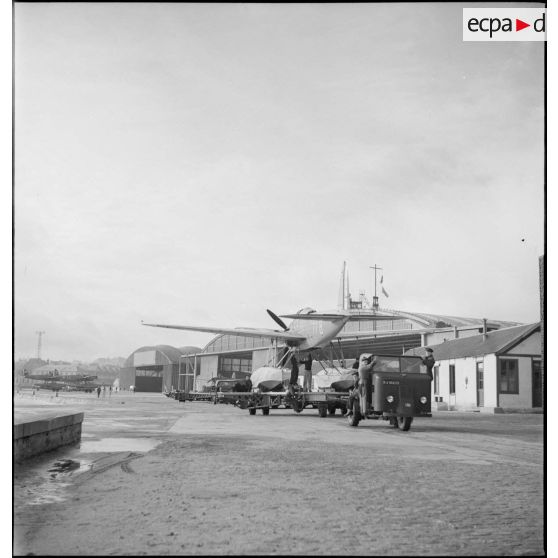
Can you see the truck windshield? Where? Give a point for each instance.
(404, 364)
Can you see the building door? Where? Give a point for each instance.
(537, 383)
(480, 384)
(149, 384)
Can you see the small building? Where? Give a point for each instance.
(495, 371)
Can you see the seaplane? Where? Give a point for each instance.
(309, 331)
(67, 382)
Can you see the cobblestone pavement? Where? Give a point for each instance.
(223, 482)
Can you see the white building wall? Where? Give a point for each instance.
(529, 346)
(465, 396)
(524, 399)
(466, 383)
(490, 381)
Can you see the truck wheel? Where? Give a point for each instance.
(343, 410)
(331, 410)
(322, 411)
(252, 411)
(354, 419)
(297, 406)
(393, 422)
(404, 423)
(265, 411)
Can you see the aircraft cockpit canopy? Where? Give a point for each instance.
(306, 310)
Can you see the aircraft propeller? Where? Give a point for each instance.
(278, 320)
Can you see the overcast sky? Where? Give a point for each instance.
(197, 164)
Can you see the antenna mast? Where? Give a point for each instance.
(40, 334)
(375, 304)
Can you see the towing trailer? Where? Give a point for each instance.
(325, 401)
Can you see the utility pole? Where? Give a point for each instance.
(375, 304)
(40, 334)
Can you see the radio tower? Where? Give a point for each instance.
(40, 334)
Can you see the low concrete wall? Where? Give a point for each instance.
(39, 436)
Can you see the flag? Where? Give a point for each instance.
(385, 292)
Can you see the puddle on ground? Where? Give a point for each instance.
(36, 483)
(63, 466)
(41, 481)
(118, 444)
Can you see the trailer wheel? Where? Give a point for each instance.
(265, 411)
(404, 423)
(331, 410)
(322, 411)
(354, 419)
(252, 411)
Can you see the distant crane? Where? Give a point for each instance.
(40, 334)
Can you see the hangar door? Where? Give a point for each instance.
(149, 380)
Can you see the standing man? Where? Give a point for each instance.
(308, 372)
(98, 391)
(293, 381)
(367, 363)
(429, 362)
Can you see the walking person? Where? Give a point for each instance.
(98, 392)
(307, 385)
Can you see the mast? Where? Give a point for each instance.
(341, 298)
(39, 343)
(375, 304)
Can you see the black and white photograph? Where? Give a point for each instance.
(279, 278)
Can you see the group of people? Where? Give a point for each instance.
(104, 390)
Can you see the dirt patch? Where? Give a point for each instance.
(235, 495)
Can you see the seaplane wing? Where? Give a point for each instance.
(242, 331)
(370, 316)
(376, 332)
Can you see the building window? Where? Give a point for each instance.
(452, 379)
(436, 378)
(509, 376)
(240, 367)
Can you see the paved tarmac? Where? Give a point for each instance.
(154, 476)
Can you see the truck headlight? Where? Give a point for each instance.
(423, 399)
(389, 398)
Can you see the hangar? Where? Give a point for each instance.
(154, 369)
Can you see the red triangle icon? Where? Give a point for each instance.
(519, 25)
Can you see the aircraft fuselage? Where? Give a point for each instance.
(318, 333)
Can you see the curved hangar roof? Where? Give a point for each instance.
(160, 354)
(415, 320)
